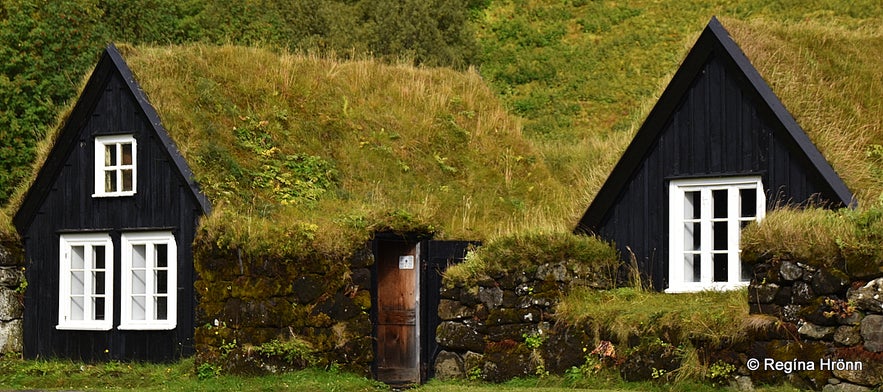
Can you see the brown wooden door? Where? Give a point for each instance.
(398, 349)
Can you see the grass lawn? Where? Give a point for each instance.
(182, 376)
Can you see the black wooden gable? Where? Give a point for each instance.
(716, 118)
(111, 65)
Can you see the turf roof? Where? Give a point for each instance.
(322, 148)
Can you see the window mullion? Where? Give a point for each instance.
(149, 291)
(734, 215)
(707, 238)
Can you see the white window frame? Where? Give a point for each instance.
(677, 282)
(117, 169)
(147, 288)
(88, 241)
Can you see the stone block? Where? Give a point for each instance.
(11, 337)
(789, 270)
(813, 331)
(449, 366)
(802, 293)
(872, 332)
(845, 387)
(492, 297)
(453, 310)
(10, 277)
(829, 281)
(458, 336)
(11, 307)
(869, 297)
(762, 293)
(847, 335)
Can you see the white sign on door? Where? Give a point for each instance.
(406, 262)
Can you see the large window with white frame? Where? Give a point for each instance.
(115, 165)
(148, 281)
(86, 282)
(705, 220)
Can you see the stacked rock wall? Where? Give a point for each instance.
(255, 311)
(503, 327)
(826, 325)
(11, 294)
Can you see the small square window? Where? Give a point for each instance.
(115, 165)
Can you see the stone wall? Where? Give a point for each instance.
(504, 327)
(11, 298)
(820, 318)
(254, 312)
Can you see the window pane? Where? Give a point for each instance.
(692, 267)
(98, 281)
(162, 308)
(110, 181)
(127, 153)
(139, 256)
(127, 180)
(139, 282)
(162, 282)
(719, 197)
(77, 308)
(162, 255)
(98, 256)
(78, 285)
(692, 205)
(139, 307)
(721, 264)
(720, 235)
(110, 155)
(78, 257)
(746, 272)
(748, 201)
(692, 235)
(98, 308)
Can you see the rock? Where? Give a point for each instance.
(565, 347)
(10, 305)
(650, 361)
(472, 361)
(829, 281)
(361, 278)
(847, 335)
(742, 384)
(459, 336)
(492, 297)
(11, 336)
(504, 361)
(557, 272)
(762, 293)
(791, 313)
(802, 293)
(453, 310)
(872, 332)
(770, 309)
(504, 316)
(790, 270)
(449, 366)
(845, 387)
(859, 368)
(868, 298)
(10, 277)
(815, 331)
(307, 288)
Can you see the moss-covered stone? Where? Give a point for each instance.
(459, 336)
(507, 360)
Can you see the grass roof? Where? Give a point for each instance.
(324, 152)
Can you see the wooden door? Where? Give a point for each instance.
(397, 330)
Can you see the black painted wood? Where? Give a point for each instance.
(717, 118)
(60, 201)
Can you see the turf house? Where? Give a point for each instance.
(185, 205)
(716, 152)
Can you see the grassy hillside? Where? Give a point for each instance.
(584, 74)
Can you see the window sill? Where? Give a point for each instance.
(120, 194)
(146, 327)
(697, 287)
(83, 327)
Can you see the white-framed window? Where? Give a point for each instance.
(115, 165)
(706, 217)
(85, 282)
(148, 281)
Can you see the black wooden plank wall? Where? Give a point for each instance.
(721, 128)
(162, 202)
